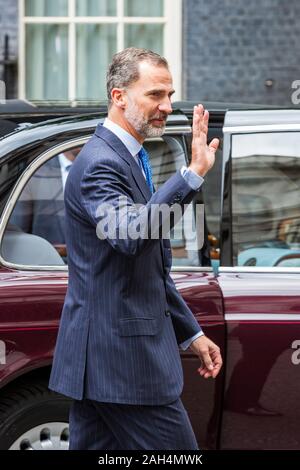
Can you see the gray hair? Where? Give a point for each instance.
(124, 68)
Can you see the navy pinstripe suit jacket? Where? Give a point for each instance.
(123, 317)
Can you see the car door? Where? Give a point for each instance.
(33, 262)
(194, 277)
(33, 283)
(260, 279)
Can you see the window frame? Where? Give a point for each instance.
(16, 192)
(172, 50)
(226, 265)
(180, 130)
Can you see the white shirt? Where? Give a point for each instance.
(64, 163)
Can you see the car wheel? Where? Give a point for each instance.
(34, 418)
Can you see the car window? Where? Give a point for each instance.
(212, 191)
(35, 234)
(167, 155)
(210, 196)
(265, 199)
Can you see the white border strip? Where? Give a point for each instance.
(21, 52)
(173, 43)
(72, 53)
(262, 316)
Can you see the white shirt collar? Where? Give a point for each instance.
(128, 140)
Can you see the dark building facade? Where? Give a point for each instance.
(241, 50)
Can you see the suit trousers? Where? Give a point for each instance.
(111, 426)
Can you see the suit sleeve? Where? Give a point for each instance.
(128, 227)
(184, 323)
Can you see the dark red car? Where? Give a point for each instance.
(242, 282)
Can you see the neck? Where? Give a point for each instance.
(118, 118)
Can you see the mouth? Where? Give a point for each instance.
(158, 121)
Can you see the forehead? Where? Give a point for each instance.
(153, 76)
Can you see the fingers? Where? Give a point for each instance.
(215, 359)
(204, 372)
(208, 364)
(200, 122)
(209, 354)
(214, 144)
(196, 121)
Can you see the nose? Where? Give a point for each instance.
(165, 106)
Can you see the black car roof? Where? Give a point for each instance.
(17, 113)
(41, 122)
(47, 130)
(20, 107)
(68, 126)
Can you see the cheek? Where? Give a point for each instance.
(152, 111)
(146, 109)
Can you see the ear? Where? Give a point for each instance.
(118, 96)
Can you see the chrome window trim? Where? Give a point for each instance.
(261, 128)
(262, 316)
(252, 269)
(178, 130)
(204, 269)
(24, 178)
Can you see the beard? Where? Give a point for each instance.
(141, 124)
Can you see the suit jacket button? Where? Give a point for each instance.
(167, 313)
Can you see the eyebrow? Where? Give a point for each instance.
(158, 90)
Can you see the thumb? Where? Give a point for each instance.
(214, 144)
(207, 360)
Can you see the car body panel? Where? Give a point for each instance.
(31, 304)
(262, 313)
(262, 325)
(203, 399)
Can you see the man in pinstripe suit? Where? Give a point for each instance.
(123, 319)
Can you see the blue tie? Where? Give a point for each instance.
(144, 160)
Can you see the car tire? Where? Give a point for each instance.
(33, 418)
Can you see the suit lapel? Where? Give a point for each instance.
(117, 145)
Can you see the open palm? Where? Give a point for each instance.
(203, 155)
